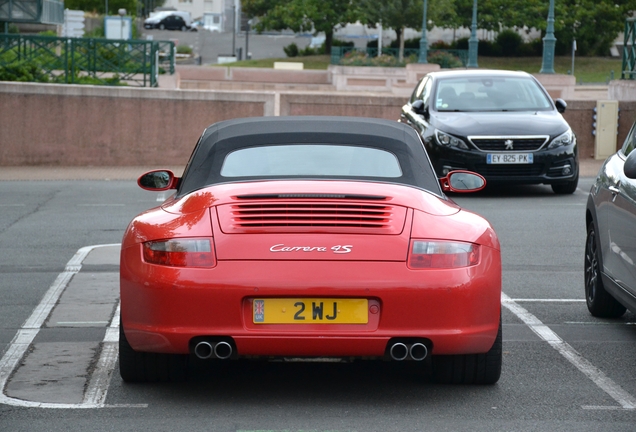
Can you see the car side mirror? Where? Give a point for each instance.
(630, 165)
(420, 108)
(560, 105)
(462, 182)
(159, 180)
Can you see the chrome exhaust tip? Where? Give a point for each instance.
(223, 350)
(418, 351)
(398, 351)
(203, 350)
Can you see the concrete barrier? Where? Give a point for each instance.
(289, 65)
(341, 104)
(48, 124)
(622, 90)
(72, 125)
(269, 75)
(397, 80)
(259, 79)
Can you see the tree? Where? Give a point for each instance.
(99, 5)
(394, 14)
(496, 14)
(401, 14)
(594, 23)
(302, 15)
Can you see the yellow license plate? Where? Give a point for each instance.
(310, 311)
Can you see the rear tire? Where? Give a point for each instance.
(599, 302)
(470, 368)
(137, 366)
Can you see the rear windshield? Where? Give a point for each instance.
(311, 160)
(490, 94)
(309, 148)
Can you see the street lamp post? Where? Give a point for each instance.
(234, 28)
(473, 42)
(549, 41)
(423, 56)
(247, 39)
(122, 14)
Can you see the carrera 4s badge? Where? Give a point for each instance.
(339, 249)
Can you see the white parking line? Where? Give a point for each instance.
(624, 399)
(80, 322)
(97, 389)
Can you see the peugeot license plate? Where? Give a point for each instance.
(510, 158)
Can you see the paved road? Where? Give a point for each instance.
(210, 45)
(563, 369)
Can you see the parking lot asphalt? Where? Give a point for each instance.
(589, 168)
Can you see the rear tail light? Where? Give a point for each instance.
(180, 253)
(442, 254)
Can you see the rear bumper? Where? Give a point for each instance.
(164, 308)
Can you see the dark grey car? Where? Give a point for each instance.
(610, 249)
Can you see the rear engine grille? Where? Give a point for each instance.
(512, 144)
(306, 216)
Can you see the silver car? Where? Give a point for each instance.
(610, 248)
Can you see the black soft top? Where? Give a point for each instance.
(224, 137)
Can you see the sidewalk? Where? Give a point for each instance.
(589, 168)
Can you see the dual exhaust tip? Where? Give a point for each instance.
(223, 350)
(400, 351)
(220, 350)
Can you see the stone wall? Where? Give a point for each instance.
(47, 124)
(70, 125)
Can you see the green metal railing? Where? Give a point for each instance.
(629, 50)
(34, 11)
(85, 60)
(369, 57)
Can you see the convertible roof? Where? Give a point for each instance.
(222, 138)
(256, 128)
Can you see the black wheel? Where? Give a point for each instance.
(470, 368)
(137, 366)
(566, 188)
(599, 302)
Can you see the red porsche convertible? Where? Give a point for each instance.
(311, 237)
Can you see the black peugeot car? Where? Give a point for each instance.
(610, 247)
(500, 124)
